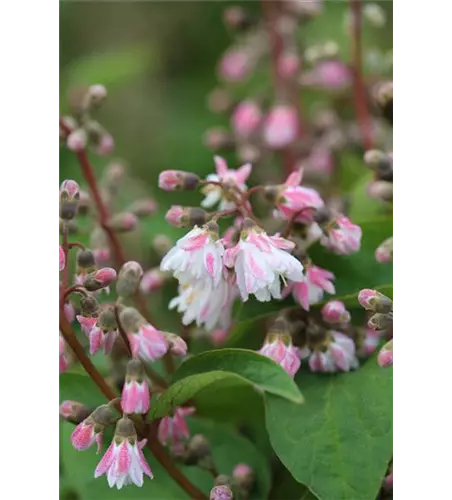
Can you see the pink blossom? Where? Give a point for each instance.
(62, 259)
(124, 463)
(105, 276)
(386, 354)
(316, 282)
(174, 430)
(221, 492)
(76, 140)
(235, 65)
(70, 187)
(343, 238)
(97, 335)
(198, 255)
(246, 118)
(332, 74)
(334, 311)
(367, 298)
(260, 261)
(288, 64)
(280, 127)
(294, 199)
(86, 434)
(148, 343)
(178, 346)
(64, 363)
(340, 355)
(281, 351)
(170, 180)
(216, 194)
(135, 397)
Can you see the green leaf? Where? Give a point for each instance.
(339, 442)
(80, 387)
(362, 206)
(222, 366)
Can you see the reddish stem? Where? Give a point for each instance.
(65, 246)
(359, 91)
(153, 444)
(74, 289)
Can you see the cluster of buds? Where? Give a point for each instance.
(381, 320)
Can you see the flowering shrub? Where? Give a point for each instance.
(266, 372)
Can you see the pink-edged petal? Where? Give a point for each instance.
(99, 442)
(301, 292)
(294, 178)
(210, 263)
(243, 173)
(96, 340)
(194, 242)
(143, 463)
(134, 342)
(220, 165)
(124, 459)
(106, 461)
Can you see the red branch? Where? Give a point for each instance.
(359, 91)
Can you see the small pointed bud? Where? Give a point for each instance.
(243, 475)
(381, 190)
(62, 259)
(198, 449)
(383, 253)
(374, 301)
(385, 356)
(105, 144)
(123, 222)
(89, 306)
(144, 207)
(69, 199)
(178, 346)
(97, 94)
(86, 261)
(100, 279)
(218, 139)
(76, 140)
(152, 280)
(221, 492)
(335, 312)
(128, 279)
(172, 180)
(73, 411)
(380, 321)
(162, 244)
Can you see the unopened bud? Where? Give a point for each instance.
(73, 411)
(97, 94)
(385, 356)
(380, 163)
(144, 207)
(381, 190)
(380, 321)
(172, 180)
(335, 312)
(128, 279)
(383, 253)
(384, 98)
(152, 280)
(105, 145)
(89, 306)
(246, 118)
(76, 140)
(198, 449)
(69, 199)
(374, 301)
(237, 18)
(218, 139)
(222, 492)
(178, 346)
(162, 244)
(70, 123)
(243, 475)
(86, 261)
(100, 279)
(131, 319)
(123, 222)
(186, 216)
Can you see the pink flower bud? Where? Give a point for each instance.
(105, 145)
(219, 336)
(221, 492)
(62, 259)
(144, 207)
(171, 180)
(76, 140)
(175, 216)
(129, 278)
(178, 346)
(383, 253)
(372, 300)
(366, 298)
(90, 430)
(69, 311)
(70, 188)
(102, 256)
(73, 411)
(280, 127)
(332, 74)
(100, 279)
(246, 118)
(123, 222)
(288, 65)
(335, 312)
(386, 354)
(98, 92)
(235, 65)
(152, 280)
(244, 476)
(135, 393)
(279, 348)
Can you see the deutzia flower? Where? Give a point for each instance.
(228, 177)
(135, 396)
(174, 430)
(311, 290)
(343, 237)
(197, 256)
(260, 261)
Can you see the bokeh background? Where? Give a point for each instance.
(158, 60)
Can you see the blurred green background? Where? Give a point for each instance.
(158, 61)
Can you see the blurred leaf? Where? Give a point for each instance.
(286, 488)
(80, 387)
(362, 206)
(111, 68)
(220, 366)
(339, 442)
